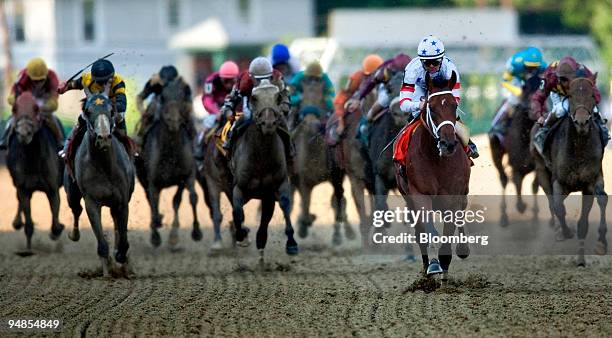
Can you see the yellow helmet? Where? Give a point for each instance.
(37, 69)
(371, 63)
(314, 69)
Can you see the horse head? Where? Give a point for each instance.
(27, 121)
(582, 102)
(441, 113)
(172, 106)
(265, 104)
(97, 115)
(530, 87)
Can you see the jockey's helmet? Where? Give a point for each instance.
(168, 73)
(260, 68)
(37, 69)
(371, 63)
(228, 70)
(102, 70)
(280, 54)
(430, 48)
(314, 69)
(532, 57)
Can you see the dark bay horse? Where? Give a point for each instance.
(215, 178)
(259, 168)
(167, 160)
(437, 170)
(104, 176)
(312, 165)
(576, 152)
(34, 165)
(515, 145)
(348, 157)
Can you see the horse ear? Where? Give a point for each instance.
(107, 88)
(595, 77)
(452, 81)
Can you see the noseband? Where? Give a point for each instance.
(429, 119)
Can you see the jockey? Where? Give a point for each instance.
(413, 94)
(312, 73)
(42, 83)
(520, 67)
(555, 83)
(155, 86)
(282, 61)
(102, 74)
(237, 102)
(369, 65)
(216, 87)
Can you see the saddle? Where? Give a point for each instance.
(400, 146)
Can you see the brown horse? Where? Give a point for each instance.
(515, 145)
(576, 152)
(437, 165)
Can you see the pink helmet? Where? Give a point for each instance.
(228, 70)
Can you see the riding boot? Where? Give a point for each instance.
(57, 129)
(121, 133)
(603, 129)
(231, 134)
(76, 134)
(289, 148)
(8, 130)
(540, 136)
(472, 150)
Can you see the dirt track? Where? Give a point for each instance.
(322, 291)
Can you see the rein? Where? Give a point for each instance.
(429, 119)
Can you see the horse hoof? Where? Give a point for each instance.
(336, 239)
(120, 258)
(503, 222)
(196, 234)
(564, 234)
(462, 250)
(521, 207)
(155, 239)
(242, 234)
(601, 248)
(434, 267)
(580, 262)
(244, 242)
(292, 250)
(56, 231)
(216, 246)
(173, 239)
(17, 224)
(349, 233)
(302, 230)
(74, 235)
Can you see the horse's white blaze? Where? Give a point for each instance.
(102, 125)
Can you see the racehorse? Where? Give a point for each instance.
(259, 168)
(167, 160)
(515, 144)
(437, 170)
(34, 165)
(103, 176)
(573, 162)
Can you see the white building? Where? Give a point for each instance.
(146, 34)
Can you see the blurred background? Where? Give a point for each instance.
(198, 35)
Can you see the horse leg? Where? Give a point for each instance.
(357, 190)
(559, 195)
(267, 210)
(24, 199)
(497, 153)
(340, 205)
(156, 218)
(73, 195)
(94, 214)
(583, 223)
(173, 238)
(534, 191)
(445, 254)
(517, 179)
(284, 200)
(18, 221)
(305, 220)
(54, 203)
(543, 178)
(602, 200)
(418, 230)
(238, 215)
(213, 199)
(120, 218)
(196, 233)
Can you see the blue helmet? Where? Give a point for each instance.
(532, 57)
(280, 54)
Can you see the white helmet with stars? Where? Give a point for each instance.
(430, 47)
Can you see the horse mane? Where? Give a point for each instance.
(264, 86)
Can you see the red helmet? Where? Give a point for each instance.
(228, 70)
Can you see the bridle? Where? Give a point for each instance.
(429, 119)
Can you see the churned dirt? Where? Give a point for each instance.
(324, 291)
